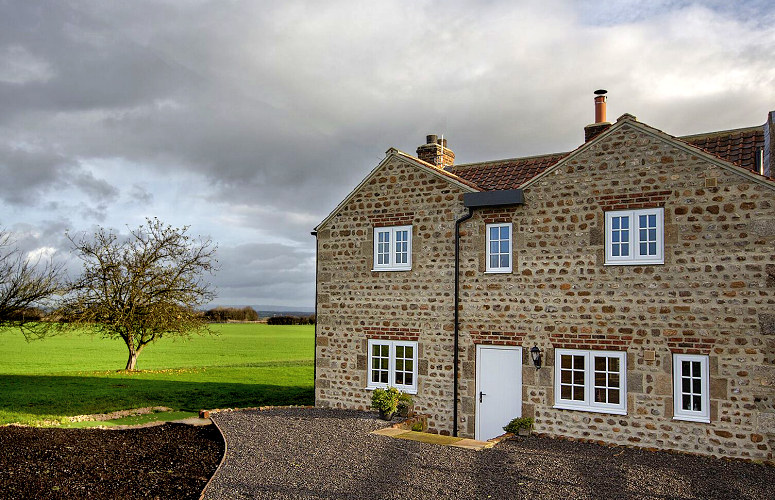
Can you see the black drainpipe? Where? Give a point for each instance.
(457, 314)
(471, 201)
(315, 363)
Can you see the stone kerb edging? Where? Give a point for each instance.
(207, 413)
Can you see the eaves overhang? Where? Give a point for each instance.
(494, 198)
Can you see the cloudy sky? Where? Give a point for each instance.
(249, 121)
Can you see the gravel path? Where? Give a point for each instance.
(329, 454)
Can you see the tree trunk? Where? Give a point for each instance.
(130, 364)
(133, 353)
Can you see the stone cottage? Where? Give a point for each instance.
(623, 292)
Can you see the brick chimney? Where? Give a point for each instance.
(435, 152)
(593, 130)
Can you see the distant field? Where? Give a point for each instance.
(246, 365)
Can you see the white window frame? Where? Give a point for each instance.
(588, 384)
(392, 348)
(635, 257)
(499, 269)
(679, 413)
(391, 264)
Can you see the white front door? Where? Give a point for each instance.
(498, 388)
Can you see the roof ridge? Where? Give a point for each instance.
(720, 132)
(440, 170)
(518, 158)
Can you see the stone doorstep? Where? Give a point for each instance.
(424, 437)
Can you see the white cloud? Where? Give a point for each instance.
(41, 254)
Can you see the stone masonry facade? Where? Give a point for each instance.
(714, 295)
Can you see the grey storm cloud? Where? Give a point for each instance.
(140, 194)
(271, 271)
(250, 120)
(26, 174)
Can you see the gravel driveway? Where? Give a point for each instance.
(329, 454)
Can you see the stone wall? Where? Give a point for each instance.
(714, 295)
(355, 303)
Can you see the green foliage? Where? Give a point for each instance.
(519, 423)
(385, 400)
(224, 314)
(141, 288)
(404, 404)
(291, 320)
(417, 427)
(245, 365)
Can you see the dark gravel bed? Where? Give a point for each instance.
(329, 454)
(169, 461)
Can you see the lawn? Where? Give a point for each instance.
(244, 365)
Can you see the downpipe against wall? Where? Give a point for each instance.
(471, 201)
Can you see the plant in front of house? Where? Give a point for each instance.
(404, 404)
(521, 426)
(386, 401)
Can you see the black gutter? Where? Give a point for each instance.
(315, 362)
(471, 201)
(457, 315)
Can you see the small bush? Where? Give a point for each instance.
(417, 427)
(519, 423)
(385, 400)
(404, 404)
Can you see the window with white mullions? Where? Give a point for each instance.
(498, 248)
(607, 384)
(647, 234)
(402, 246)
(634, 237)
(393, 248)
(404, 373)
(590, 381)
(620, 236)
(392, 363)
(380, 363)
(383, 248)
(690, 391)
(572, 371)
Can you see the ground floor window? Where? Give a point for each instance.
(690, 388)
(393, 363)
(590, 380)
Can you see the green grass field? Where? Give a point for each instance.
(245, 365)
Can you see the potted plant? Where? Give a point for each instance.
(404, 404)
(522, 426)
(386, 401)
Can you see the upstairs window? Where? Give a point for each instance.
(690, 388)
(590, 381)
(393, 248)
(498, 248)
(393, 363)
(634, 237)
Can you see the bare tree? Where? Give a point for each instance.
(141, 288)
(25, 286)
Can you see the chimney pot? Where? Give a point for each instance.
(600, 101)
(600, 125)
(436, 152)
